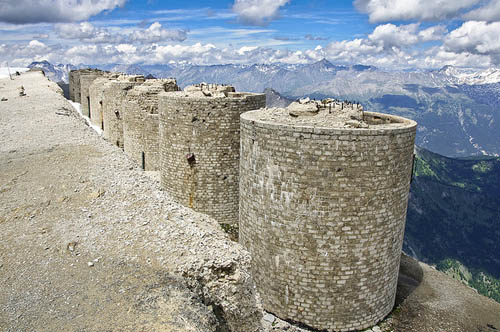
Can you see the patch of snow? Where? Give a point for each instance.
(4, 71)
(78, 109)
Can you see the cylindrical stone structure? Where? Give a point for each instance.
(199, 147)
(141, 122)
(96, 93)
(323, 199)
(113, 106)
(74, 85)
(87, 77)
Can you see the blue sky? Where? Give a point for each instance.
(393, 34)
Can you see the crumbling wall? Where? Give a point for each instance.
(199, 147)
(141, 122)
(114, 96)
(87, 77)
(322, 211)
(96, 93)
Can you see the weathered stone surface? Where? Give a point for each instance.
(74, 86)
(322, 211)
(96, 94)
(113, 106)
(87, 77)
(141, 122)
(200, 145)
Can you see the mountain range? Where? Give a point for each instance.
(457, 109)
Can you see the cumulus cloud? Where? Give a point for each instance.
(490, 12)
(389, 35)
(155, 33)
(475, 38)
(51, 11)
(258, 12)
(86, 32)
(420, 10)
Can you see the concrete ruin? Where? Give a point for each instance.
(323, 197)
(141, 122)
(200, 147)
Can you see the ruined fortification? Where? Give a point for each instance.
(87, 77)
(320, 188)
(200, 145)
(141, 122)
(113, 108)
(74, 85)
(323, 197)
(96, 95)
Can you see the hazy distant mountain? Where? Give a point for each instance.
(453, 217)
(457, 116)
(274, 99)
(56, 73)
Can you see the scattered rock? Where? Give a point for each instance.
(96, 194)
(4, 99)
(90, 264)
(71, 246)
(269, 318)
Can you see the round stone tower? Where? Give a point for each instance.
(323, 197)
(114, 96)
(141, 122)
(200, 145)
(96, 95)
(87, 77)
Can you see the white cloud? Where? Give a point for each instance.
(29, 11)
(258, 12)
(155, 33)
(389, 35)
(490, 12)
(86, 32)
(420, 10)
(436, 32)
(475, 38)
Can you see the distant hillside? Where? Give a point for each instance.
(454, 217)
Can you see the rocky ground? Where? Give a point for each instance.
(89, 242)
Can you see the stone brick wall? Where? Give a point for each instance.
(74, 85)
(141, 122)
(113, 106)
(207, 129)
(87, 77)
(322, 212)
(96, 93)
